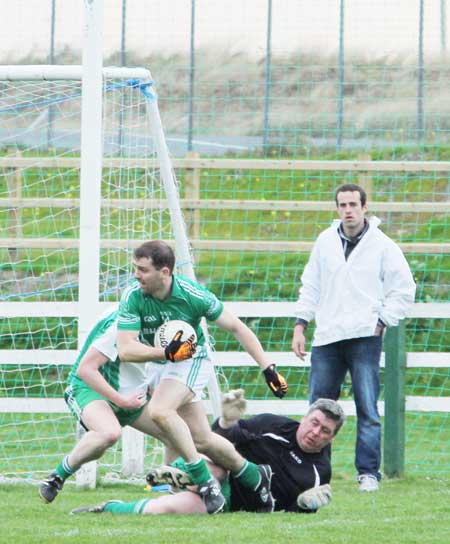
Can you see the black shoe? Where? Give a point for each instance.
(263, 493)
(167, 474)
(212, 496)
(96, 509)
(51, 487)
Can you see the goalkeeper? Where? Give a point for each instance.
(297, 452)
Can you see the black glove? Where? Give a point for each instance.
(177, 350)
(275, 381)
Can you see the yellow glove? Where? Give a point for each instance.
(178, 350)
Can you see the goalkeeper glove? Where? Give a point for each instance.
(177, 350)
(314, 498)
(233, 406)
(167, 474)
(275, 381)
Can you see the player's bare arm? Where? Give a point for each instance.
(88, 371)
(131, 349)
(249, 341)
(246, 337)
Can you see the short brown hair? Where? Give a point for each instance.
(331, 409)
(352, 188)
(159, 252)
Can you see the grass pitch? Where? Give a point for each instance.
(409, 511)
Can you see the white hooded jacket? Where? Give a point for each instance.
(346, 298)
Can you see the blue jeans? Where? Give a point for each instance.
(329, 365)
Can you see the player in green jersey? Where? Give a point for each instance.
(157, 295)
(104, 394)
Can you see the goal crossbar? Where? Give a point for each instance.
(53, 72)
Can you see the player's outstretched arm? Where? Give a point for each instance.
(249, 341)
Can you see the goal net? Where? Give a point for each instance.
(43, 239)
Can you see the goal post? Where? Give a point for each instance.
(74, 207)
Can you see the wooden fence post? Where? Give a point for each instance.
(394, 401)
(192, 191)
(365, 179)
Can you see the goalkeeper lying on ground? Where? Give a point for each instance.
(298, 454)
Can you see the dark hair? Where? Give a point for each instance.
(331, 409)
(351, 187)
(159, 252)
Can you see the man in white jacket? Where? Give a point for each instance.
(357, 282)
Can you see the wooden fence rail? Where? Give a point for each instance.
(192, 204)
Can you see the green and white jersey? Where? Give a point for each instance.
(187, 300)
(123, 377)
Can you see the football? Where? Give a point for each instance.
(168, 330)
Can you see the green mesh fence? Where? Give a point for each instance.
(275, 275)
(270, 208)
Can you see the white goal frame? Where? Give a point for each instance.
(89, 240)
(92, 75)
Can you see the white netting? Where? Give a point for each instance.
(40, 126)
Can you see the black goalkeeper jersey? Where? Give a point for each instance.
(270, 439)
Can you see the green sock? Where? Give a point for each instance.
(64, 470)
(248, 476)
(198, 471)
(135, 507)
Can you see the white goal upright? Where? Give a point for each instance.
(85, 176)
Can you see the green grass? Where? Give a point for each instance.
(410, 511)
